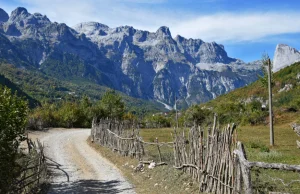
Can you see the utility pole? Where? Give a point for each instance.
(176, 112)
(270, 103)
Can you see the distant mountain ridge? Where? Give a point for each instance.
(148, 65)
(284, 56)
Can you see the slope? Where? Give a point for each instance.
(45, 88)
(243, 103)
(15, 89)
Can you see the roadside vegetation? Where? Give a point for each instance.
(18, 169)
(163, 179)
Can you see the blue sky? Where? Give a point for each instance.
(247, 29)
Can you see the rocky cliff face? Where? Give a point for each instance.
(3, 16)
(284, 56)
(149, 65)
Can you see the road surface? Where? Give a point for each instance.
(81, 168)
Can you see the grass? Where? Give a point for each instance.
(256, 141)
(285, 143)
(165, 179)
(161, 179)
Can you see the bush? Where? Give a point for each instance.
(13, 120)
(111, 106)
(196, 115)
(157, 121)
(77, 113)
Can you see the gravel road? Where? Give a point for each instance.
(81, 168)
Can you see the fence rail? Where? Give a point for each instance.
(207, 156)
(34, 171)
(212, 156)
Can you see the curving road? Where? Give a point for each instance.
(81, 168)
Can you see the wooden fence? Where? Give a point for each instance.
(244, 168)
(124, 138)
(208, 157)
(213, 156)
(34, 170)
(121, 137)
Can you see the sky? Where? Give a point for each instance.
(247, 28)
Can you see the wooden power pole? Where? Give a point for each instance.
(270, 103)
(176, 112)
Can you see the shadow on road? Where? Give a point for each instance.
(87, 186)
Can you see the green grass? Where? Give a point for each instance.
(285, 143)
(256, 141)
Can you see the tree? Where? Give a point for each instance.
(264, 79)
(196, 115)
(86, 115)
(69, 114)
(111, 105)
(13, 120)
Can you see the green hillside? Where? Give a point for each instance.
(244, 105)
(48, 89)
(14, 88)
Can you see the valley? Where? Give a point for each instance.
(91, 108)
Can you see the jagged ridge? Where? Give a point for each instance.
(149, 65)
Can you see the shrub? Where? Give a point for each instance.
(13, 119)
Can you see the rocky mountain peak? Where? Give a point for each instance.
(19, 12)
(163, 31)
(92, 28)
(179, 38)
(3, 16)
(284, 56)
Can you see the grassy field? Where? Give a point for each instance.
(165, 179)
(256, 141)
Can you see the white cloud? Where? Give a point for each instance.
(220, 27)
(239, 26)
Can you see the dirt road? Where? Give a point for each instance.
(81, 168)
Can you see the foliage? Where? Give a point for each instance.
(243, 105)
(253, 114)
(230, 112)
(196, 115)
(157, 121)
(13, 119)
(78, 113)
(49, 89)
(265, 63)
(111, 105)
(14, 88)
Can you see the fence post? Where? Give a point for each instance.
(156, 139)
(244, 167)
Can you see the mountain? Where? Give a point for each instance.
(284, 56)
(156, 66)
(15, 89)
(142, 64)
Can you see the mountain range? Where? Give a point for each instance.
(141, 64)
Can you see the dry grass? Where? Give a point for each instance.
(285, 143)
(256, 140)
(161, 179)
